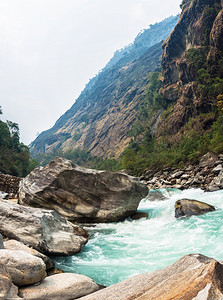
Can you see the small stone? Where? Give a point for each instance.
(177, 174)
(217, 169)
(185, 176)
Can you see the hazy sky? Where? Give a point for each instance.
(50, 48)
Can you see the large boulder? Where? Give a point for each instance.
(44, 230)
(80, 194)
(23, 268)
(187, 208)
(60, 286)
(16, 245)
(194, 276)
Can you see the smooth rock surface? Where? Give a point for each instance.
(22, 267)
(16, 245)
(194, 276)
(187, 208)
(44, 230)
(60, 286)
(82, 195)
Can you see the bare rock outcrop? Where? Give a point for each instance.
(80, 194)
(44, 230)
(193, 276)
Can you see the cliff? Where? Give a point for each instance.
(192, 65)
(106, 110)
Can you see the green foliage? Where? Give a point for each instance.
(209, 86)
(216, 143)
(159, 154)
(77, 135)
(14, 156)
(153, 97)
(197, 56)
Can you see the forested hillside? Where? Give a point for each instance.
(14, 156)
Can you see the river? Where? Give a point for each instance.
(117, 251)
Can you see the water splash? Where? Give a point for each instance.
(117, 251)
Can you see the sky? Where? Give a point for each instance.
(49, 49)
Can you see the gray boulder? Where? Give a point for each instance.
(80, 194)
(60, 286)
(44, 230)
(187, 208)
(193, 276)
(16, 245)
(23, 268)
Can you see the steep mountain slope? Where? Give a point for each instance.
(191, 123)
(193, 66)
(102, 116)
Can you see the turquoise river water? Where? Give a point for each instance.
(117, 251)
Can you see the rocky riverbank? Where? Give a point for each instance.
(31, 233)
(206, 174)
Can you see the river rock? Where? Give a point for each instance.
(80, 194)
(44, 230)
(16, 245)
(208, 160)
(187, 208)
(155, 195)
(61, 286)
(7, 289)
(140, 215)
(194, 276)
(23, 268)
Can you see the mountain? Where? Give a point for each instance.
(191, 123)
(107, 109)
(192, 66)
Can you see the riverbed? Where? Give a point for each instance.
(117, 251)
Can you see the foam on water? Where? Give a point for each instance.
(117, 251)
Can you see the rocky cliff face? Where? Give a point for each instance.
(102, 116)
(192, 59)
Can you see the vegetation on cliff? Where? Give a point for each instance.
(14, 156)
(191, 123)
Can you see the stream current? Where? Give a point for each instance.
(117, 251)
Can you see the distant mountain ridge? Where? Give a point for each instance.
(106, 110)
